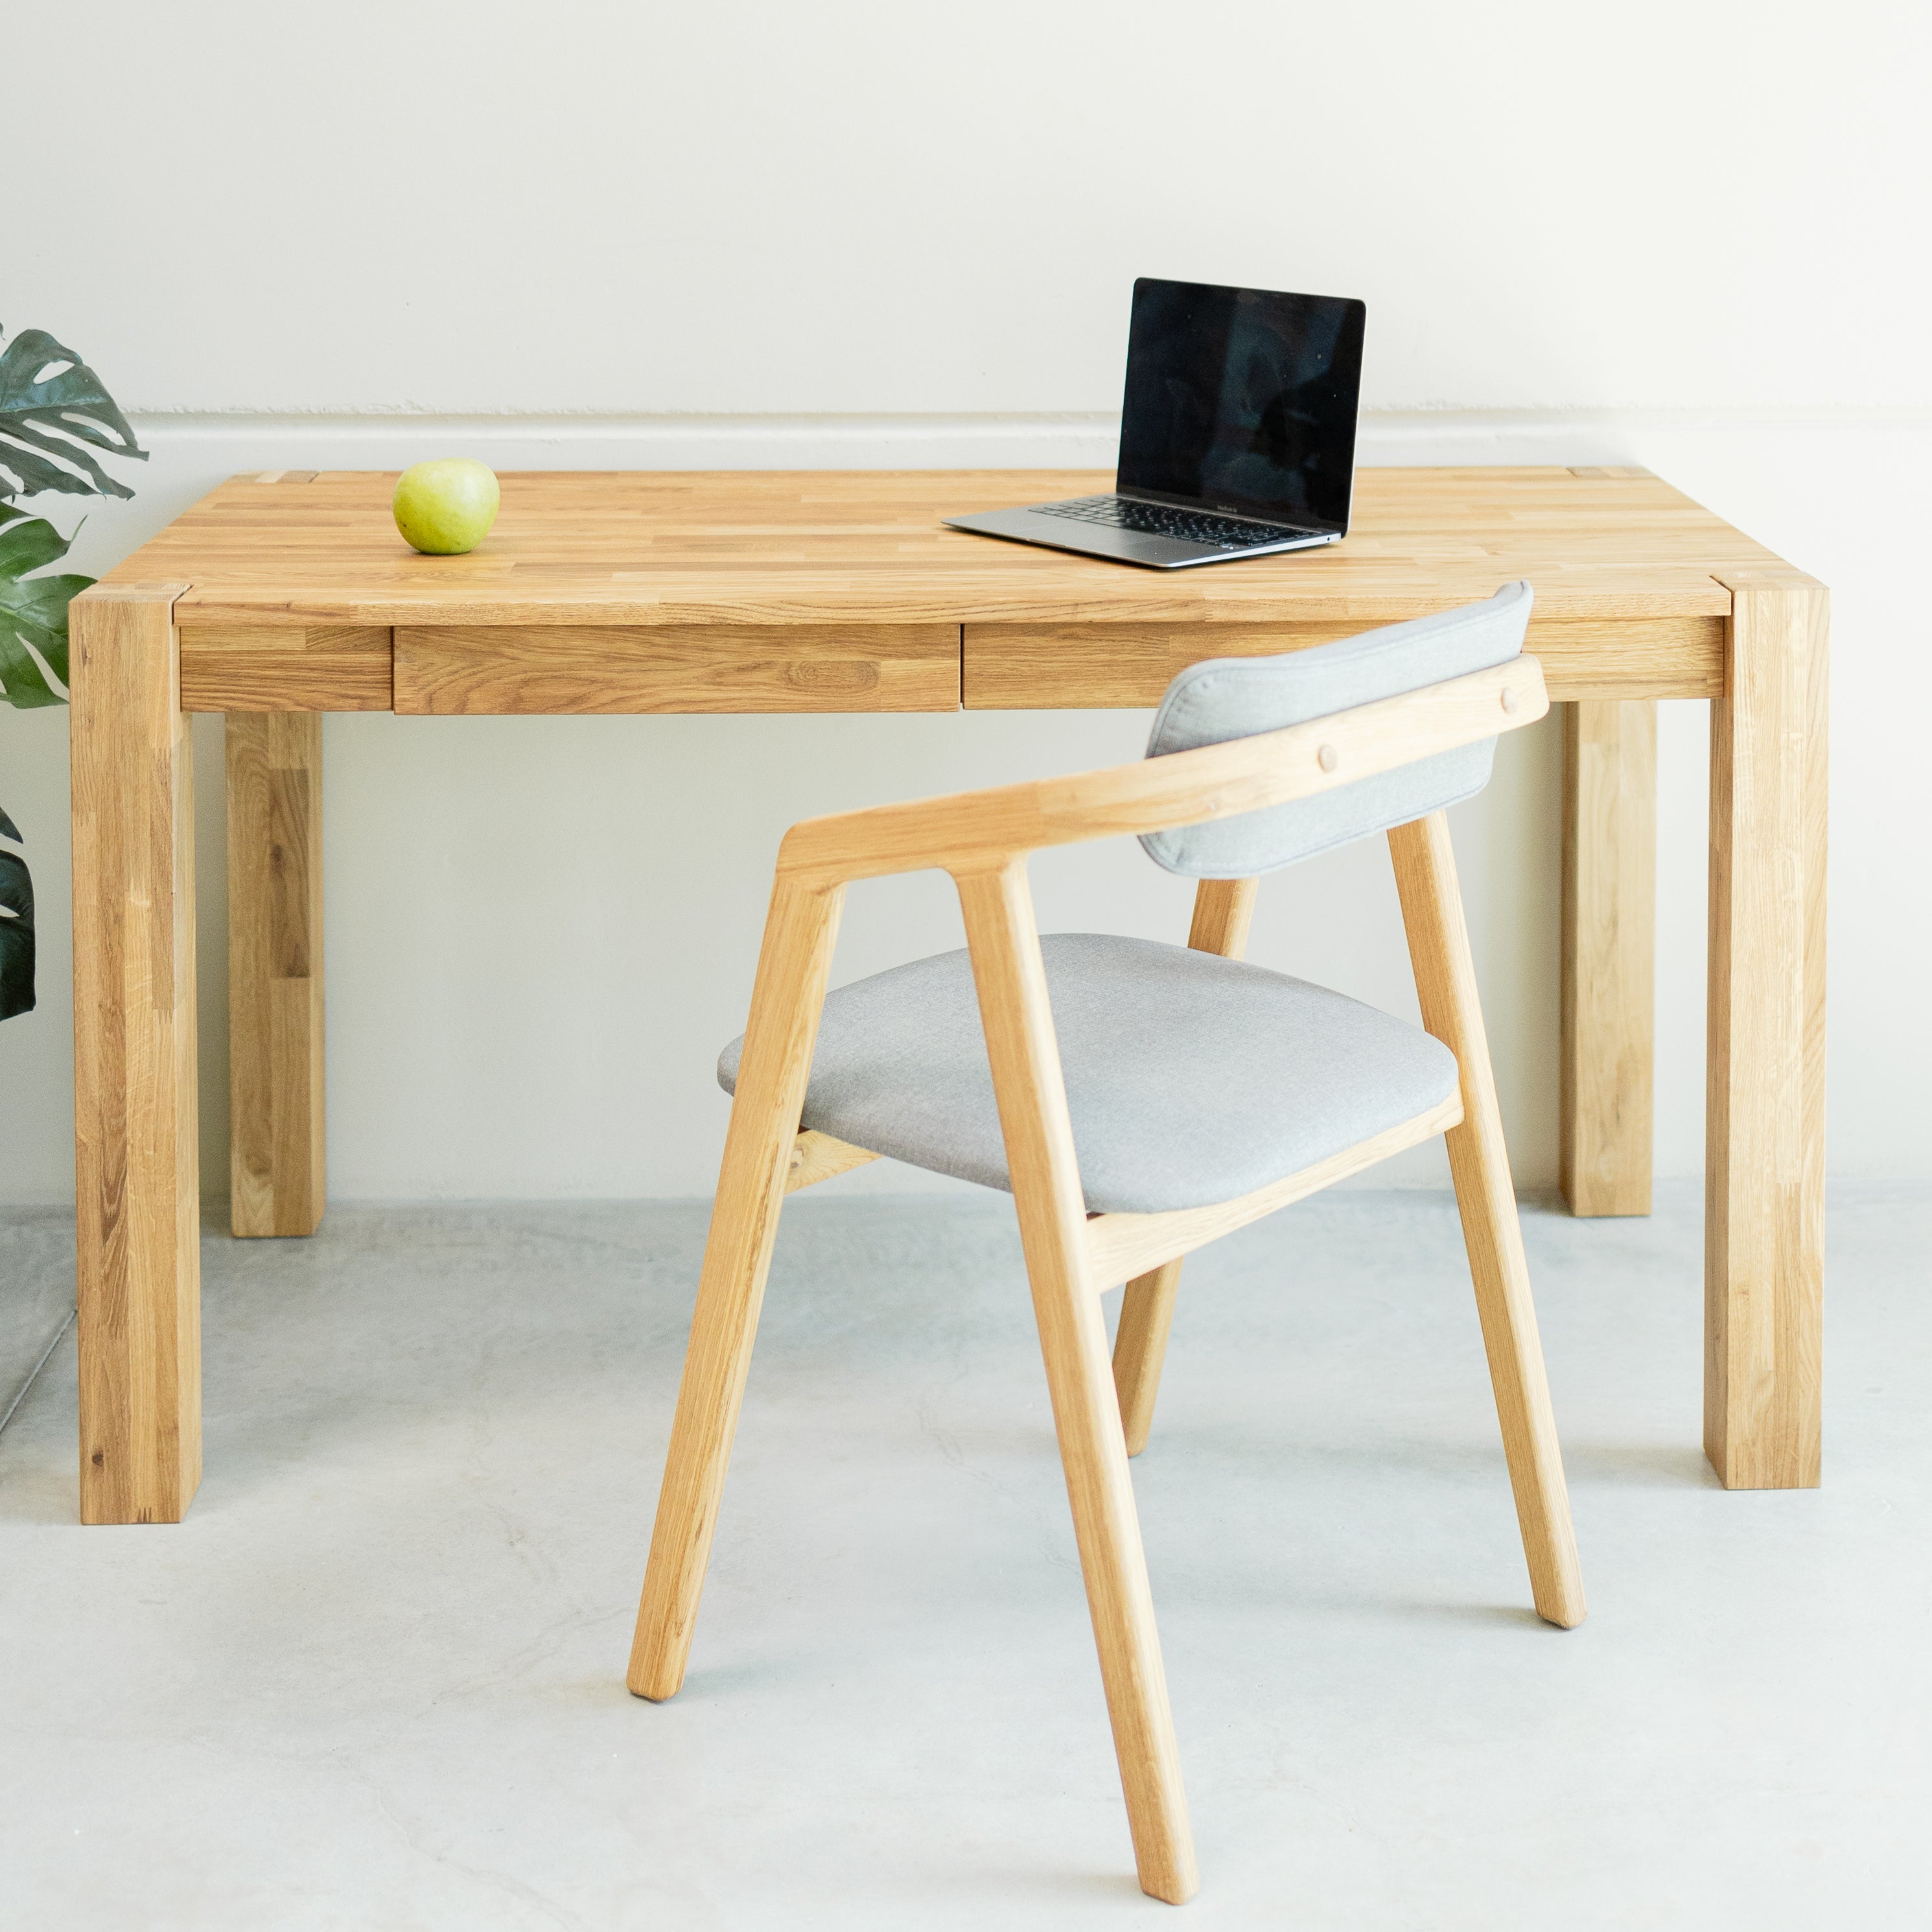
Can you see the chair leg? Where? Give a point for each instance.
(1140, 1347)
(1039, 1135)
(1445, 983)
(1093, 1453)
(1222, 910)
(777, 1060)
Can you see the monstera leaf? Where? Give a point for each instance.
(16, 929)
(52, 410)
(32, 612)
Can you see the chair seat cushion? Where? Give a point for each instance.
(1191, 1079)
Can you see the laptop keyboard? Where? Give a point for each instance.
(1157, 520)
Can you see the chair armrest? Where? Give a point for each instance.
(977, 831)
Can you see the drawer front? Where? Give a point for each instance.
(1051, 666)
(544, 668)
(283, 667)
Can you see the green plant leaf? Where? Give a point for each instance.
(33, 611)
(27, 543)
(47, 428)
(16, 936)
(16, 928)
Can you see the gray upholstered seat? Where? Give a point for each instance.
(1190, 1078)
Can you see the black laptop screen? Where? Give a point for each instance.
(1243, 400)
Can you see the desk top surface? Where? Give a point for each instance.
(776, 547)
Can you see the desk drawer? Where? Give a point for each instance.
(451, 669)
(1092, 667)
(284, 667)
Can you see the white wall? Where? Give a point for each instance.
(603, 236)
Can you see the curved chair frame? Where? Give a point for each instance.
(1102, 1410)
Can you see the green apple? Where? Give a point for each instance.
(447, 507)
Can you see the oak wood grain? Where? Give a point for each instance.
(279, 668)
(455, 668)
(817, 1157)
(1445, 984)
(1608, 957)
(800, 931)
(1223, 911)
(1764, 1208)
(138, 1222)
(1011, 980)
(859, 547)
(971, 829)
(1098, 666)
(277, 1168)
(1119, 1245)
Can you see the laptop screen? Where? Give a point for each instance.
(1241, 400)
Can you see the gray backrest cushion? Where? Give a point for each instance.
(1224, 698)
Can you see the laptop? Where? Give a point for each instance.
(1237, 433)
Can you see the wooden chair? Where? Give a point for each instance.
(1185, 1094)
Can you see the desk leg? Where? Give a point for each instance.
(1764, 1207)
(275, 971)
(138, 1218)
(1609, 948)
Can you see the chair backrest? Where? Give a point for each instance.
(1224, 698)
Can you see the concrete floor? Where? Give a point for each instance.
(36, 1295)
(376, 1679)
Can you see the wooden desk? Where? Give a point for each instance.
(283, 596)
